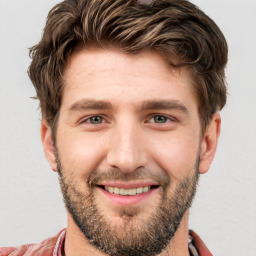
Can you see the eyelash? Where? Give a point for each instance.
(166, 118)
(87, 120)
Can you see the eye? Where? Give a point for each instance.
(158, 119)
(94, 120)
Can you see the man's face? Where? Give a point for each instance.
(127, 147)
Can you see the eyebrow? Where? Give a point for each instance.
(86, 104)
(164, 104)
(156, 104)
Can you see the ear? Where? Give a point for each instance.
(209, 143)
(46, 138)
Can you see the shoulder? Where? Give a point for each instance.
(44, 248)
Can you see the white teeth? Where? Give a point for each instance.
(146, 189)
(132, 191)
(116, 191)
(139, 190)
(124, 191)
(111, 190)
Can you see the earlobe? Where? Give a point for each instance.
(209, 143)
(48, 146)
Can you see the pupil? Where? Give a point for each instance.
(96, 120)
(160, 119)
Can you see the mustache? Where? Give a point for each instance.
(114, 174)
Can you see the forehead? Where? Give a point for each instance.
(127, 78)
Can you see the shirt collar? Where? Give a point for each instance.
(59, 247)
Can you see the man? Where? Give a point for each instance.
(129, 93)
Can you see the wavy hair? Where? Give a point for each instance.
(171, 27)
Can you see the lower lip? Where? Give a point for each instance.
(128, 200)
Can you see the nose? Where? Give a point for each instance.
(126, 148)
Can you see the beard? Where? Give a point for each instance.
(131, 235)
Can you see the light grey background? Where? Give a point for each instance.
(31, 208)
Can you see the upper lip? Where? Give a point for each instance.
(128, 185)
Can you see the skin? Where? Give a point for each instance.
(128, 136)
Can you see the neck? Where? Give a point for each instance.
(76, 243)
(179, 243)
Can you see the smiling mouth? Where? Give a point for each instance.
(129, 191)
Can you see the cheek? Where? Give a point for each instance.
(81, 153)
(175, 154)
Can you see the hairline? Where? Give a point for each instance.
(178, 64)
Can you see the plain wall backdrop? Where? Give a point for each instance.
(31, 207)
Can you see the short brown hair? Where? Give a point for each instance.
(169, 26)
